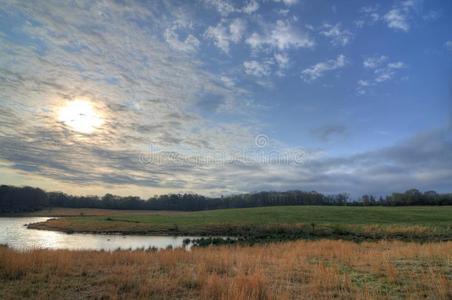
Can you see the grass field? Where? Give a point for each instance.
(308, 269)
(320, 220)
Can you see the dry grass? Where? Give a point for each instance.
(303, 269)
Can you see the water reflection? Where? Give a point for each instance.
(15, 234)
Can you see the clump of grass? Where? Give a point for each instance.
(315, 269)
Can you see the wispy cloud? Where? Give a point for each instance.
(399, 17)
(190, 43)
(448, 45)
(369, 15)
(147, 88)
(256, 68)
(337, 35)
(318, 70)
(287, 2)
(281, 36)
(381, 69)
(374, 62)
(224, 34)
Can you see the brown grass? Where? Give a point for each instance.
(293, 270)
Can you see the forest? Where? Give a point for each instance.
(26, 199)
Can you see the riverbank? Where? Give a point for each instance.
(314, 269)
(268, 224)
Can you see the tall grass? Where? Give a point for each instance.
(302, 269)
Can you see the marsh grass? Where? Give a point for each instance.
(292, 270)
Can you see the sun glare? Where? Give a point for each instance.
(80, 116)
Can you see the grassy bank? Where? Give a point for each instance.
(411, 223)
(314, 269)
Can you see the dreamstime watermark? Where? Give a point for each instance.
(257, 155)
(261, 140)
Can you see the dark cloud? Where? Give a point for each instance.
(328, 132)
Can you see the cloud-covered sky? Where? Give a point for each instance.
(220, 97)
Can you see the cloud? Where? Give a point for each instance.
(369, 15)
(189, 44)
(281, 36)
(399, 17)
(381, 70)
(225, 34)
(147, 87)
(318, 70)
(223, 7)
(256, 68)
(283, 62)
(373, 62)
(448, 45)
(139, 66)
(278, 64)
(250, 7)
(337, 35)
(287, 2)
(226, 8)
(388, 72)
(325, 133)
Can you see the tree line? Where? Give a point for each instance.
(25, 199)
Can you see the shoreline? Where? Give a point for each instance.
(247, 234)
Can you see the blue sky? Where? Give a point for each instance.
(202, 96)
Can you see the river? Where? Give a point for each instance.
(15, 234)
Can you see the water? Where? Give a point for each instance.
(14, 234)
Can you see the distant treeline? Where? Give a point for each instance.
(24, 199)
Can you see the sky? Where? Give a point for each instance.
(221, 97)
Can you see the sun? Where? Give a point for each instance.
(81, 116)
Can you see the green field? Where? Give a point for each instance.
(321, 220)
(296, 214)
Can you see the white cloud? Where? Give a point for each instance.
(190, 44)
(237, 29)
(338, 36)
(282, 36)
(381, 71)
(287, 2)
(223, 35)
(369, 15)
(256, 68)
(282, 59)
(388, 72)
(228, 81)
(222, 6)
(399, 16)
(449, 45)
(318, 70)
(251, 7)
(225, 8)
(374, 61)
(396, 20)
(363, 83)
(283, 62)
